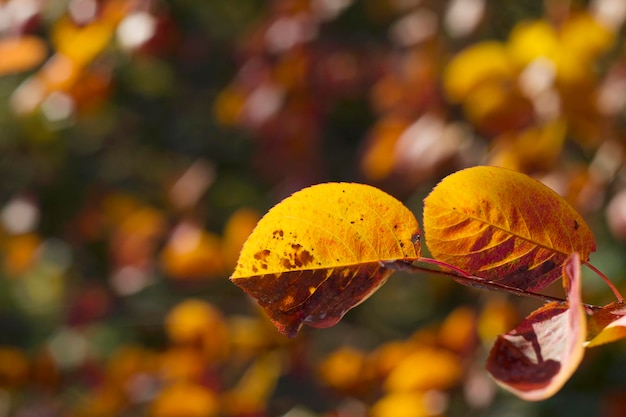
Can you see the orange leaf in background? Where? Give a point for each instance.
(21, 54)
(318, 253)
(14, 367)
(608, 324)
(536, 147)
(504, 226)
(425, 369)
(458, 331)
(377, 161)
(343, 370)
(20, 253)
(192, 253)
(249, 397)
(236, 230)
(497, 317)
(181, 364)
(185, 400)
(199, 324)
(534, 360)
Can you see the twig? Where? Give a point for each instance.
(474, 281)
(619, 296)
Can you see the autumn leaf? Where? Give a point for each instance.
(607, 324)
(534, 360)
(504, 226)
(21, 53)
(475, 65)
(318, 253)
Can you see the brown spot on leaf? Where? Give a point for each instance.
(262, 255)
(286, 263)
(305, 257)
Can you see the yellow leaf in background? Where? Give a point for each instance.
(498, 316)
(181, 364)
(534, 39)
(401, 404)
(22, 53)
(250, 395)
(583, 36)
(536, 147)
(387, 356)
(197, 323)
(343, 370)
(425, 369)
(185, 399)
(377, 162)
(497, 106)
(458, 330)
(318, 253)
(236, 230)
(192, 253)
(482, 62)
(504, 226)
(81, 43)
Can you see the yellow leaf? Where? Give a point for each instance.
(585, 37)
(185, 399)
(458, 331)
(192, 253)
(197, 323)
(504, 226)
(401, 404)
(81, 44)
(497, 106)
(250, 395)
(530, 40)
(343, 370)
(236, 230)
(483, 62)
(318, 253)
(425, 369)
(536, 147)
(378, 157)
(607, 325)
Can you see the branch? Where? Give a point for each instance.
(617, 294)
(474, 281)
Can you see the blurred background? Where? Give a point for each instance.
(141, 140)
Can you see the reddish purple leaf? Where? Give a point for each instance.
(534, 360)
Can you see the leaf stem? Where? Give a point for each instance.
(474, 281)
(616, 292)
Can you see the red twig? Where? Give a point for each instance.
(474, 281)
(619, 296)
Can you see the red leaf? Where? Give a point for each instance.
(534, 360)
